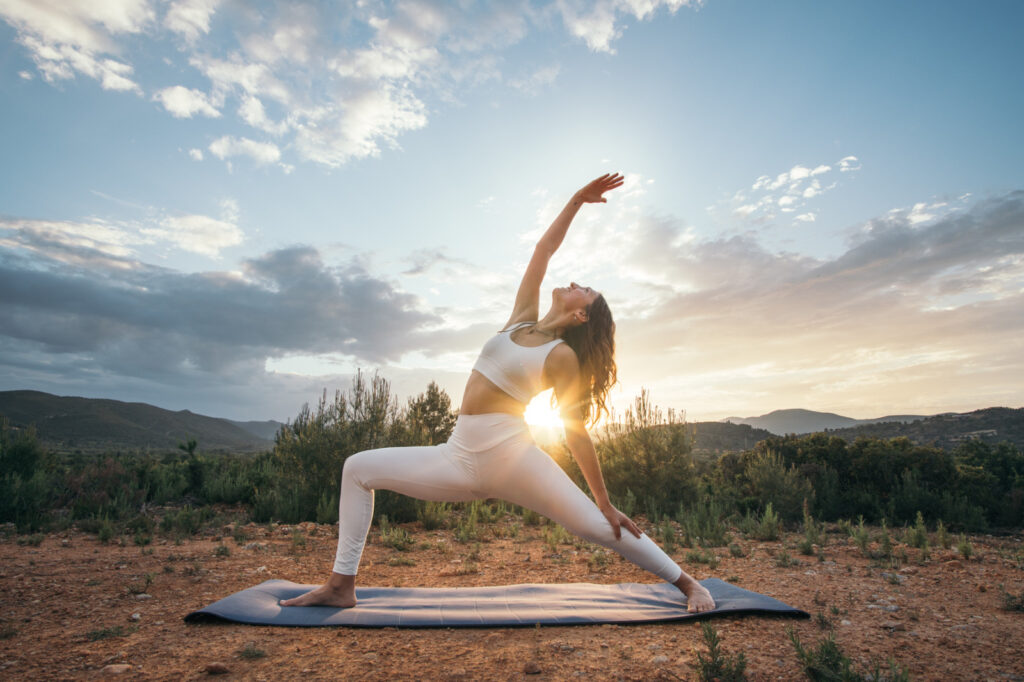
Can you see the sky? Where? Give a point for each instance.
(231, 207)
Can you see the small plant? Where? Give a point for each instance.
(106, 530)
(532, 518)
(668, 536)
(401, 561)
(251, 651)
(733, 579)
(844, 526)
(942, 535)
(813, 531)
(106, 633)
(222, 550)
(239, 535)
(467, 530)
(393, 536)
(886, 541)
(554, 536)
(141, 587)
(1012, 602)
(513, 530)
(964, 548)
(467, 567)
(823, 621)
(918, 535)
(434, 515)
(784, 560)
(703, 557)
(768, 526)
(718, 665)
(142, 539)
(736, 551)
(861, 536)
(806, 547)
(828, 662)
(299, 538)
(194, 570)
(598, 561)
(33, 540)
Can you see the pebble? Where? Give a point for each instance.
(845, 622)
(894, 626)
(143, 597)
(217, 668)
(135, 616)
(531, 668)
(115, 669)
(660, 659)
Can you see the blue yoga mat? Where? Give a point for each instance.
(506, 605)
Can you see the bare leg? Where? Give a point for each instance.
(698, 599)
(339, 591)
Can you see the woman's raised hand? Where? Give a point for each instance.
(591, 194)
(618, 521)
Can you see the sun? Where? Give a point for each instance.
(540, 413)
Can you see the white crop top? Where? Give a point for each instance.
(513, 368)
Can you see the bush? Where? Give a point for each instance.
(717, 665)
(434, 515)
(775, 484)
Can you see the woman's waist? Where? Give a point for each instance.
(478, 432)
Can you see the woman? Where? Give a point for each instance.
(491, 452)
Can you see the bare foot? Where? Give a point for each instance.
(698, 599)
(325, 595)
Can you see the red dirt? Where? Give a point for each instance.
(60, 596)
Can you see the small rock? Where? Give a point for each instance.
(531, 668)
(64, 543)
(371, 656)
(845, 622)
(143, 597)
(261, 569)
(135, 616)
(893, 626)
(217, 668)
(982, 588)
(660, 659)
(115, 669)
(891, 608)
(653, 647)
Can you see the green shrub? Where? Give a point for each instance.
(718, 666)
(964, 547)
(394, 536)
(434, 515)
(769, 526)
(467, 530)
(773, 483)
(704, 522)
(1012, 602)
(827, 662)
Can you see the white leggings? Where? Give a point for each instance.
(488, 455)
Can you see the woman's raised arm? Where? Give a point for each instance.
(528, 297)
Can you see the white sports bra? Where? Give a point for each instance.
(513, 368)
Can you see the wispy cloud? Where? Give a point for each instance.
(788, 192)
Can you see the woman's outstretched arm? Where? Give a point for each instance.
(564, 369)
(528, 297)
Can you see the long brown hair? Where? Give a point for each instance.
(594, 345)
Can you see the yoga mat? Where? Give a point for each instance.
(506, 605)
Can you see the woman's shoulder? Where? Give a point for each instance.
(563, 358)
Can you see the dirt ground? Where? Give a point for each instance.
(74, 608)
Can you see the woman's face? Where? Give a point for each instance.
(576, 296)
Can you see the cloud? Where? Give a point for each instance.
(598, 23)
(64, 38)
(536, 82)
(261, 152)
(913, 309)
(196, 154)
(190, 18)
(197, 234)
(184, 102)
(786, 192)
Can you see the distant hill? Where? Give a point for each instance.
(782, 422)
(719, 437)
(992, 425)
(67, 424)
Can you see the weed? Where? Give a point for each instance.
(918, 535)
(195, 569)
(942, 535)
(434, 515)
(598, 561)
(806, 547)
(844, 526)
(250, 651)
(140, 587)
(861, 536)
(886, 541)
(964, 548)
(106, 530)
(768, 526)
(467, 530)
(736, 551)
(467, 567)
(394, 536)
(703, 523)
(733, 579)
(703, 557)
(33, 540)
(222, 550)
(828, 662)
(239, 535)
(823, 621)
(1012, 602)
(142, 539)
(668, 536)
(556, 535)
(106, 633)
(401, 561)
(531, 518)
(513, 530)
(784, 560)
(299, 538)
(168, 568)
(813, 531)
(474, 553)
(718, 665)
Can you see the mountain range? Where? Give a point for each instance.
(93, 425)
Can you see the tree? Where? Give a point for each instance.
(431, 412)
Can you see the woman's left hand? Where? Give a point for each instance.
(591, 194)
(618, 521)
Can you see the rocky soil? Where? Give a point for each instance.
(74, 608)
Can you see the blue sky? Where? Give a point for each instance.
(228, 207)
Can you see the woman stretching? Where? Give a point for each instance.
(491, 453)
